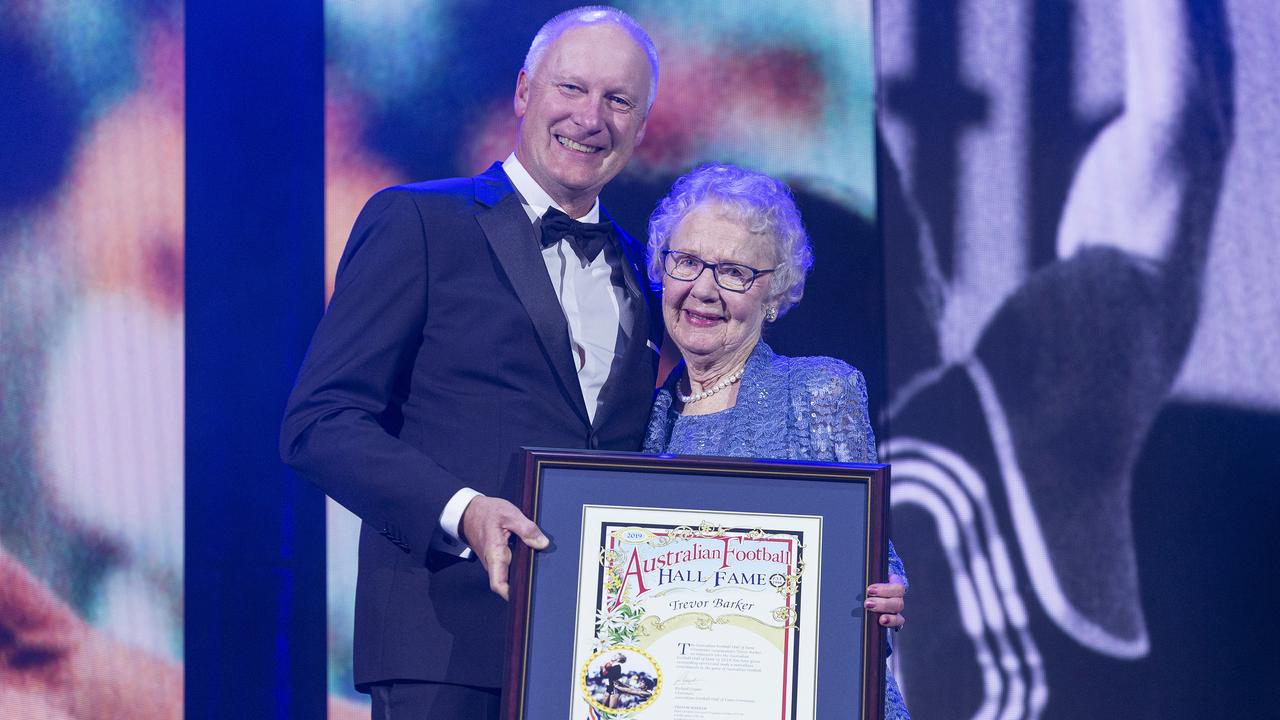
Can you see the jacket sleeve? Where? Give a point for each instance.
(339, 428)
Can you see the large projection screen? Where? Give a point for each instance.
(418, 90)
(91, 358)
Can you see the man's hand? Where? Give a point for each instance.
(888, 600)
(487, 526)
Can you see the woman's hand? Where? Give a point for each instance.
(887, 600)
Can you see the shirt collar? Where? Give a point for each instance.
(536, 200)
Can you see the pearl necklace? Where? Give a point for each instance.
(724, 383)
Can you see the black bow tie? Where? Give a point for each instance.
(587, 239)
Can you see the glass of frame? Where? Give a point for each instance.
(680, 587)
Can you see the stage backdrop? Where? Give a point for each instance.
(1078, 205)
(419, 89)
(91, 359)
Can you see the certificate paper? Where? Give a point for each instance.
(685, 614)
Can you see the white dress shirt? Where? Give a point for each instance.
(594, 309)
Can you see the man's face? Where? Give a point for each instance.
(582, 112)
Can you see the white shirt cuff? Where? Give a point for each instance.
(448, 537)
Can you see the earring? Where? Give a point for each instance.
(771, 313)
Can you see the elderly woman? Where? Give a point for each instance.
(729, 249)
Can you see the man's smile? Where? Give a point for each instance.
(577, 145)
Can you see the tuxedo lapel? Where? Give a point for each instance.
(648, 321)
(628, 379)
(510, 235)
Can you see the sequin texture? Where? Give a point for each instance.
(809, 408)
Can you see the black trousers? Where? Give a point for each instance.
(409, 700)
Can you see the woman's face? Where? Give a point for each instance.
(711, 325)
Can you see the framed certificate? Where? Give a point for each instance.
(679, 588)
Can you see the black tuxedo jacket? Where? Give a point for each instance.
(444, 349)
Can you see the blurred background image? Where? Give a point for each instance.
(1045, 231)
(91, 354)
(1083, 354)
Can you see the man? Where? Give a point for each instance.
(471, 318)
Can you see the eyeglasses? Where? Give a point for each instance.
(730, 276)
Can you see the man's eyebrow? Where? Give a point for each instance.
(561, 78)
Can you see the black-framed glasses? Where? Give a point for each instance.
(733, 277)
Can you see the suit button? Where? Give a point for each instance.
(594, 443)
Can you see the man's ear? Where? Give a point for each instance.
(521, 101)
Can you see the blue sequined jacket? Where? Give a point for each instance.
(811, 408)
